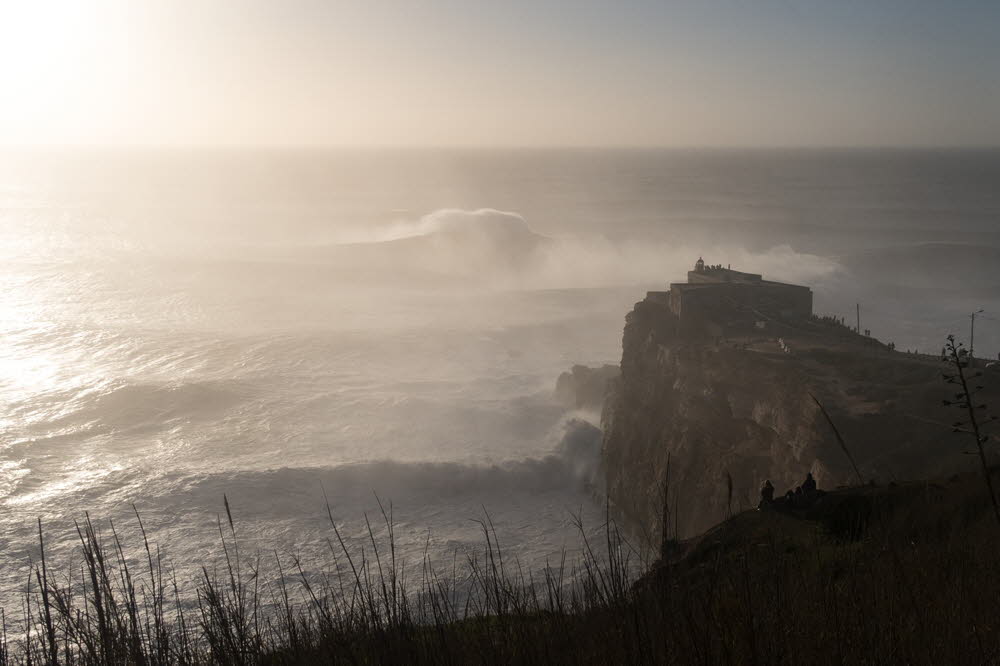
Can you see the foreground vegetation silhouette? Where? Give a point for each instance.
(895, 574)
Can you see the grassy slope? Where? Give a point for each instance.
(905, 573)
(886, 575)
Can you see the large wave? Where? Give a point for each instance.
(501, 249)
(573, 464)
(532, 501)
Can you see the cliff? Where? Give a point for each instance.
(742, 408)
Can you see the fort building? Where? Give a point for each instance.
(717, 300)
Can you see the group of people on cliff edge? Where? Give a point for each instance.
(801, 496)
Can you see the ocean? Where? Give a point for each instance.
(286, 328)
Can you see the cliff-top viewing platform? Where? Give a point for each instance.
(721, 301)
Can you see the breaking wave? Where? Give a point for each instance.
(501, 249)
(573, 465)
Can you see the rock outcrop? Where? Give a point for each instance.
(585, 388)
(744, 409)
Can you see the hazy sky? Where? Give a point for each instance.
(517, 72)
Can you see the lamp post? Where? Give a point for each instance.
(972, 332)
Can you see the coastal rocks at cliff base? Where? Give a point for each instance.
(585, 388)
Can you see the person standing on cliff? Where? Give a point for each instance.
(766, 494)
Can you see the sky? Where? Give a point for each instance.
(514, 73)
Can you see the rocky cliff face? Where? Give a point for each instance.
(743, 410)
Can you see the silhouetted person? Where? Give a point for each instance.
(809, 485)
(767, 492)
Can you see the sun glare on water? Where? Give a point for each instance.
(26, 367)
(36, 357)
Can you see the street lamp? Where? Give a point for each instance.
(972, 332)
